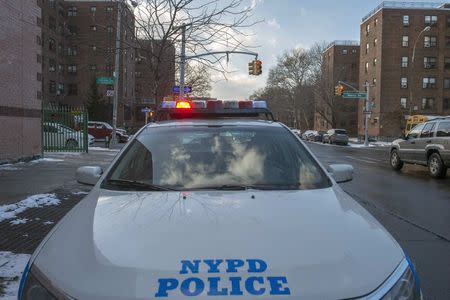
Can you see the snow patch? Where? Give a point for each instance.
(47, 159)
(80, 193)
(10, 211)
(11, 269)
(103, 149)
(48, 223)
(18, 221)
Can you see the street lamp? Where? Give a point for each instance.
(428, 28)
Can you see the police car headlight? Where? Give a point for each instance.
(32, 286)
(406, 288)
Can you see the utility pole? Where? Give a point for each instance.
(182, 59)
(116, 72)
(366, 116)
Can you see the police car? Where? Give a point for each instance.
(217, 200)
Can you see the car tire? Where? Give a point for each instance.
(71, 144)
(436, 166)
(395, 160)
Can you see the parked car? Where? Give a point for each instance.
(336, 136)
(62, 136)
(427, 144)
(296, 132)
(306, 134)
(316, 136)
(102, 130)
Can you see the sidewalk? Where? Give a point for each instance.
(33, 197)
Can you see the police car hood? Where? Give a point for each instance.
(310, 244)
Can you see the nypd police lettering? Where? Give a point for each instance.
(224, 279)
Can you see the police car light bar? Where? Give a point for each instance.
(213, 108)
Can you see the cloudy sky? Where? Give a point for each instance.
(288, 24)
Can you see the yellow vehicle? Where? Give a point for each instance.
(417, 119)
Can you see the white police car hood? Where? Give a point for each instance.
(311, 244)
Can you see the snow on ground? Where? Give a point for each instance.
(11, 268)
(46, 159)
(372, 144)
(18, 221)
(10, 211)
(48, 223)
(9, 167)
(80, 193)
(103, 149)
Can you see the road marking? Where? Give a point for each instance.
(363, 160)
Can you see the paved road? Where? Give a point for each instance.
(412, 206)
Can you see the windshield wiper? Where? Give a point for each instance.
(134, 184)
(237, 187)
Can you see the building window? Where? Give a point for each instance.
(39, 95)
(429, 62)
(73, 29)
(51, 65)
(344, 51)
(404, 83)
(72, 89)
(110, 29)
(51, 4)
(93, 9)
(429, 41)
(429, 82)
(367, 48)
(374, 81)
(60, 90)
(93, 28)
(60, 49)
(430, 20)
(38, 58)
(375, 22)
(403, 102)
(52, 87)
(38, 40)
(404, 61)
(405, 41)
(138, 74)
(353, 51)
(367, 29)
(366, 67)
(374, 62)
(446, 104)
(94, 48)
(39, 76)
(92, 67)
(447, 41)
(427, 103)
(447, 83)
(72, 51)
(109, 9)
(448, 22)
(72, 69)
(405, 20)
(72, 11)
(51, 44)
(446, 63)
(61, 68)
(52, 23)
(375, 41)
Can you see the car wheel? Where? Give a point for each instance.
(436, 166)
(71, 144)
(395, 160)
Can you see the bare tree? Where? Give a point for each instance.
(209, 25)
(290, 79)
(198, 76)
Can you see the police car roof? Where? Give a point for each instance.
(218, 121)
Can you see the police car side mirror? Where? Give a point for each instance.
(341, 172)
(88, 175)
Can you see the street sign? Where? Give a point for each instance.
(109, 93)
(367, 112)
(354, 95)
(146, 110)
(105, 80)
(176, 89)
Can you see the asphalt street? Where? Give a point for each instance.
(412, 206)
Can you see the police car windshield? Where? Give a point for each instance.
(214, 157)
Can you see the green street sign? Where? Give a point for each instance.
(354, 95)
(105, 80)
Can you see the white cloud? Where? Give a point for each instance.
(273, 23)
(272, 42)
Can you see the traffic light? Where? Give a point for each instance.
(338, 90)
(258, 67)
(251, 68)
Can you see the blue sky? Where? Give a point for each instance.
(289, 24)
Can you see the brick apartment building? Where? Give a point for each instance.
(20, 75)
(401, 86)
(340, 63)
(78, 46)
(147, 94)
